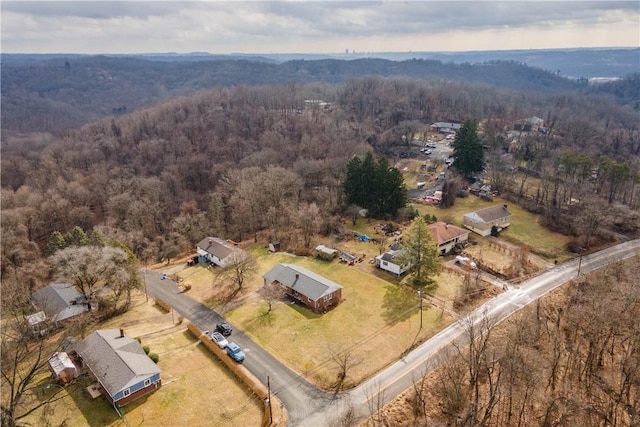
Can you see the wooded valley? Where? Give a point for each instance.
(154, 156)
(237, 162)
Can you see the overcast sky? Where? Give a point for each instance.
(313, 26)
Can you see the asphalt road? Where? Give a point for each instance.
(299, 396)
(309, 407)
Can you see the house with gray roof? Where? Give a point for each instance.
(120, 365)
(392, 262)
(483, 220)
(314, 291)
(217, 251)
(59, 301)
(446, 128)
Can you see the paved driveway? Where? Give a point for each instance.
(299, 396)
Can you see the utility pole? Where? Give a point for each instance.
(144, 281)
(420, 296)
(579, 265)
(269, 400)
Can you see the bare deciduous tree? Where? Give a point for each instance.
(90, 268)
(272, 293)
(241, 267)
(343, 361)
(25, 357)
(308, 221)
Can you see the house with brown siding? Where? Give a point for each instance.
(120, 365)
(482, 221)
(314, 291)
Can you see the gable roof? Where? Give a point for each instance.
(443, 232)
(117, 362)
(304, 281)
(217, 247)
(56, 297)
(489, 214)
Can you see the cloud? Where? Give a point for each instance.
(94, 9)
(266, 26)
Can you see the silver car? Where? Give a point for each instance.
(219, 339)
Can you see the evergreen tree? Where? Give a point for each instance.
(77, 237)
(421, 252)
(468, 155)
(56, 243)
(375, 186)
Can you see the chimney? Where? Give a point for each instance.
(121, 333)
(446, 226)
(505, 206)
(297, 277)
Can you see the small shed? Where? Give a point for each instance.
(37, 323)
(62, 368)
(325, 252)
(274, 247)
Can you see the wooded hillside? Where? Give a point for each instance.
(59, 94)
(236, 162)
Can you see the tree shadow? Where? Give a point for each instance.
(97, 412)
(398, 304)
(300, 308)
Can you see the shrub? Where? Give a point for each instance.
(146, 349)
(154, 357)
(138, 339)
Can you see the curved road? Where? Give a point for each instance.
(309, 406)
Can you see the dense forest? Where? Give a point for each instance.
(242, 161)
(63, 93)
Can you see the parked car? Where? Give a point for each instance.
(224, 329)
(219, 339)
(235, 352)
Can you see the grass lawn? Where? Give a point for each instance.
(448, 285)
(524, 229)
(376, 317)
(196, 389)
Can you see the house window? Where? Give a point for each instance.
(126, 393)
(384, 263)
(147, 382)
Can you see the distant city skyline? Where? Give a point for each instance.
(262, 27)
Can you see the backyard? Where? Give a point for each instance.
(379, 315)
(200, 392)
(524, 230)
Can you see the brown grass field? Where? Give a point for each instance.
(525, 229)
(379, 316)
(196, 389)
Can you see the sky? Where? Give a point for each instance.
(223, 27)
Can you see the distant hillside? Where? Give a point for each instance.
(573, 63)
(59, 94)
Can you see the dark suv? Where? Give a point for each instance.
(224, 329)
